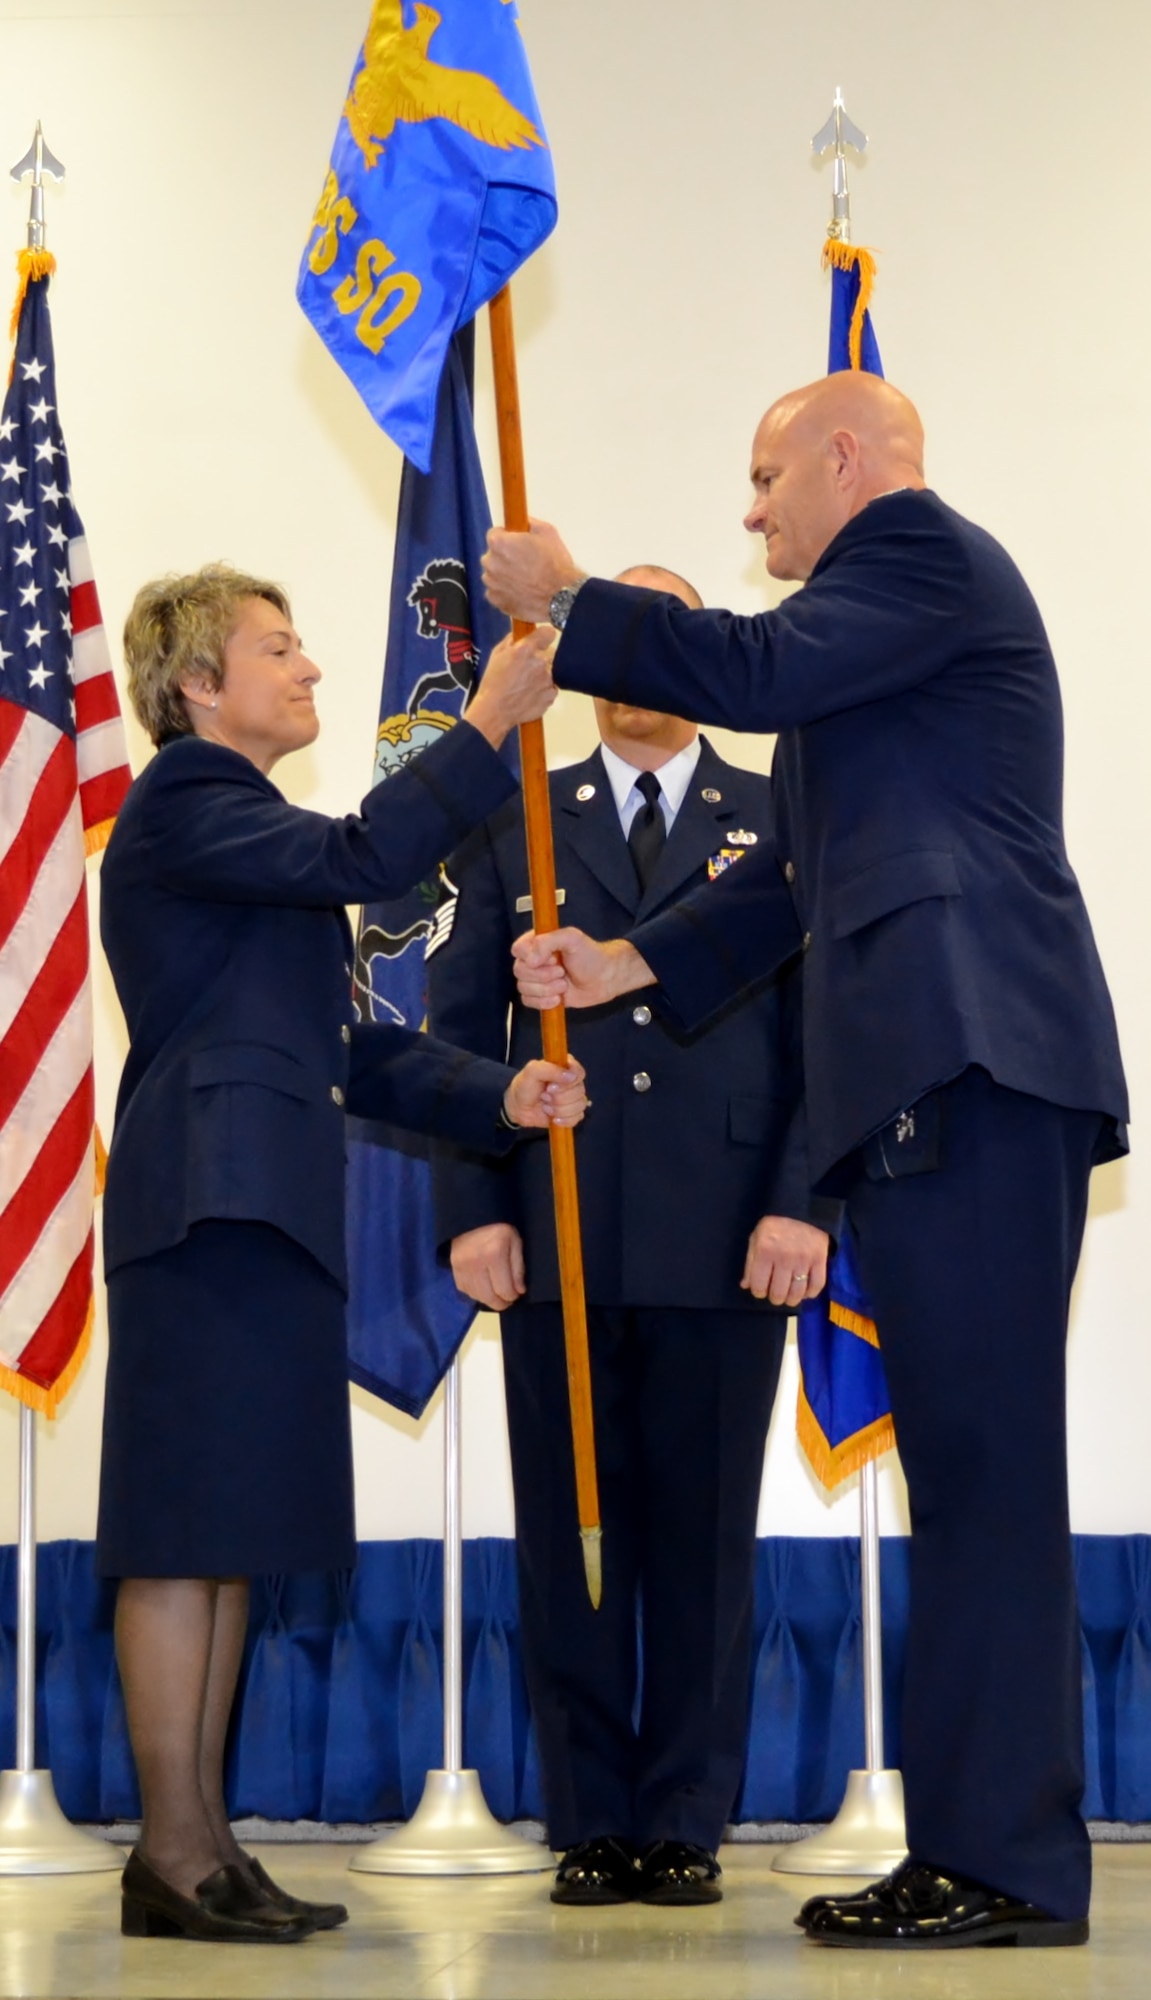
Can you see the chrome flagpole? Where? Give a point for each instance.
(867, 1836)
(35, 1836)
(452, 1831)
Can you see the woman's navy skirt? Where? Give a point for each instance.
(227, 1427)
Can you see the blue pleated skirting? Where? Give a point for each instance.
(227, 1428)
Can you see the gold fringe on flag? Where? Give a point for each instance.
(833, 1464)
(852, 257)
(97, 837)
(853, 1322)
(48, 1401)
(30, 264)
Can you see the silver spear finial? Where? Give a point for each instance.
(839, 133)
(37, 161)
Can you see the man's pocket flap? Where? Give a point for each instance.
(891, 884)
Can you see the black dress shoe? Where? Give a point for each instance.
(598, 1871)
(226, 1909)
(675, 1871)
(321, 1916)
(920, 1908)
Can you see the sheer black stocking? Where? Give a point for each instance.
(179, 1642)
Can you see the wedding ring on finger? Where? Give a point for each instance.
(799, 1277)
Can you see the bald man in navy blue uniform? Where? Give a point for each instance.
(692, 1179)
(962, 1071)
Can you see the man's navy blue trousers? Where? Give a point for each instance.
(682, 1403)
(969, 1233)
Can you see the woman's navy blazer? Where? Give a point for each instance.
(222, 915)
(918, 789)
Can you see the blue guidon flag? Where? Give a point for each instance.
(405, 1316)
(851, 340)
(844, 1415)
(440, 186)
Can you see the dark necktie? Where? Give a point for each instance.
(648, 829)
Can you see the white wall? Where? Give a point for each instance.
(681, 292)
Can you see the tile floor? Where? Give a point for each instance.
(501, 1939)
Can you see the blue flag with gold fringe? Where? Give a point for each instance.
(851, 342)
(440, 186)
(844, 1415)
(405, 1316)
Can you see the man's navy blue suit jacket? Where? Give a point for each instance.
(222, 917)
(918, 788)
(672, 1176)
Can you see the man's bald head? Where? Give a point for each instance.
(650, 576)
(644, 737)
(820, 455)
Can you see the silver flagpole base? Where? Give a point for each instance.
(37, 1839)
(452, 1832)
(866, 1837)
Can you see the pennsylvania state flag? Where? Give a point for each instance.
(405, 1316)
(440, 187)
(844, 1416)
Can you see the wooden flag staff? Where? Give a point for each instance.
(545, 917)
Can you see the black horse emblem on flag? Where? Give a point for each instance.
(376, 942)
(440, 596)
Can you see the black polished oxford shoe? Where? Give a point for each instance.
(920, 1908)
(677, 1872)
(598, 1871)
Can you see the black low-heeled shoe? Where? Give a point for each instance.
(324, 1916)
(226, 1909)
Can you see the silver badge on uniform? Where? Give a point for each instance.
(710, 794)
(585, 792)
(741, 837)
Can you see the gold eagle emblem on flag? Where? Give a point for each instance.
(400, 84)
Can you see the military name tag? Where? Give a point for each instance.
(524, 903)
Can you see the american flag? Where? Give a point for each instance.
(63, 775)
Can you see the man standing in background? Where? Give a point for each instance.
(692, 1163)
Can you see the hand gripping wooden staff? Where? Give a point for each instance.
(545, 917)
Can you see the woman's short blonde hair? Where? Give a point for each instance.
(178, 628)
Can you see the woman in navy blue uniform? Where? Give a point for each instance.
(227, 1439)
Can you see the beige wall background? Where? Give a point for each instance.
(681, 292)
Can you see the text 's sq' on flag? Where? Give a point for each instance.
(440, 186)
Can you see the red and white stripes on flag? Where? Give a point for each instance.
(63, 776)
(101, 752)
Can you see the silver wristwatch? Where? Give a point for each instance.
(559, 610)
